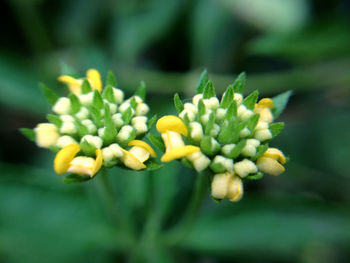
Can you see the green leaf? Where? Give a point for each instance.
(87, 148)
(98, 100)
(239, 84)
(235, 152)
(253, 121)
(127, 115)
(280, 102)
(157, 141)
(96, 116)
(85, 87)
(201, 109)
(74, 102)
(178, 103)
(110, 131)
(108, 94)
(261, 149)
(209, 90)
(133, 103)
(276, 128)
(187, 163)
(82, 129)
(217, 167)
(227, 98)
(203, 79)
(50, 96)
(231, 111)
(209, 126)
(256, 176)
(29, 133)
(75, 178)
(141, 90)
(111, 79)
(54, 119)
(152, 164)
(209, 146)
(250, 101)
(152, 121)
(226, 134)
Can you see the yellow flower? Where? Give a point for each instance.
(137, 155)
(46, 134)
(65, 161)
(227, 185)
(263, 107)
(74, 85)
(271, 162)
(171, 128)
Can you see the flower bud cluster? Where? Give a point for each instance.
(233, 135)
(95, 119)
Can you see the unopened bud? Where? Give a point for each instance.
(68, 128)
(199, 161)
(65, 140)
(82, 114)
(86, 99)
(196, 131)
(62, 106)
(93, 140)
(46, 134)
(142, 109)
(118, 95)
(244, 168)
(196, 99)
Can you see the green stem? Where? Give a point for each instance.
(179, 233)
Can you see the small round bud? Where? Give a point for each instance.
(244, 133)
(68, 128)
(124, 106)
(138, 119)
(196, 131)
(227, 148)
(140, 127)
(196, 99)
(65, 140)
(220, 114)
(62, 106)
(86, 99)
(191, 116)
(215, 130)
(244, 168)
(107, 154)
(118, 95)
(82, 114)
(212, 103)
(101, 131)
(89, 125)
(190, 107)
(238, 97)
(118, 120)
(142, 109)
(46, 134)
(125, 133)
(249, 149)
(117, 150)
(199, 161)
(67, 118)
(262, 125)
(263, 135)
(137, 99)
(93, 140)
(205, 118)
(112, 106)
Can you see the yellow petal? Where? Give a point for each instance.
(73, 84)
(144, 145)
(265, 103)
(94, 78)
(276, 154)
(64, 157)
(131, 161)
(171, 123)
(269, 166)
(98, 162)
(179, 152)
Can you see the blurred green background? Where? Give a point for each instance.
(301, 216)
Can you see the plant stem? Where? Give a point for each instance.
(179, 233)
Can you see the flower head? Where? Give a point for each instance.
(94, 127)
(229, 137)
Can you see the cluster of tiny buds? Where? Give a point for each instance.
(211, 145)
